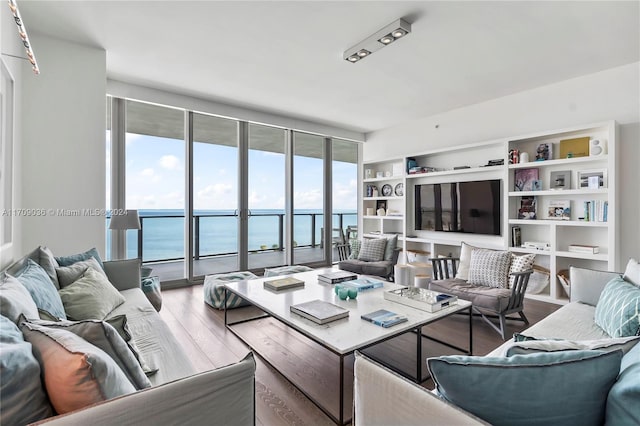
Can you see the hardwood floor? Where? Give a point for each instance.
(200, 330)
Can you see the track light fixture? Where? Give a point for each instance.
(384, 37)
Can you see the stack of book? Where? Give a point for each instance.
(285, 283)
(336, 277)
(319, 311)
(580, 248)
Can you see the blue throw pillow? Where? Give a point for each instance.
(618, 309)
(70, 260)
(21, 391)
(558, 388)
(42, 290)
(623, 403)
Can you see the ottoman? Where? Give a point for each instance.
(285, 270)
(214, 289)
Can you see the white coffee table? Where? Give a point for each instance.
(345, 336)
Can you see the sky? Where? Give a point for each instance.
(155, 177)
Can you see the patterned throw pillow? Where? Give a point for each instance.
(618, 309)
(372, 249)
(489, 268)
(355, 248)
(465, 260)
(520, 264)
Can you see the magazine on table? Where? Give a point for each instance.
(361, 284)
(384, 318)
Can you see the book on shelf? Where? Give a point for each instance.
(527, 208)
(361, 284)
(516, 236)
(579, 248)
(596, 211)
(319, 311)
(559, 210)
(335, 277)
(283, 283)
(384, 318)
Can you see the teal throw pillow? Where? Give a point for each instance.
(71, 259)
(42, 290)
(566, 388)
(623, 403)
(618, 309)
(21, 391)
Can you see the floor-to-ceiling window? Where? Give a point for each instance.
(344, 170)
(215, 194)
(259, 193)
(266, 196)
(308, 197)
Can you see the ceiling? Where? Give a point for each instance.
(286, 57)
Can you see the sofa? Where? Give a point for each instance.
(50, 365)
(565, 369)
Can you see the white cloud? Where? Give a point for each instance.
(308, 200)
(215, 191)
(170, 162)
(150, 175)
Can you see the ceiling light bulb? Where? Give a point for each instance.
(386, 39)
(398, 33)
(363, 53)
(353, 58)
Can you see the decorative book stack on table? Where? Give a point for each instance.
(319, 311)
(335, 277)
(283, 284)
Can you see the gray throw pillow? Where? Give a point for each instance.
(392, 243)
(119, 322)
(42, 290)
(76, 373)
(104, 336)
(372, 249)
(489, 268)
(15, 299)
(22, 393)
(90, 297)
(355, 246)
(68, 274)
(551, 345)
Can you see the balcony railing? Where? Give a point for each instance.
(216, 235)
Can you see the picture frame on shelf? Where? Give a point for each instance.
(592, 179)
(523, 179)
(560, 180)
(381, 204)
(559, 210)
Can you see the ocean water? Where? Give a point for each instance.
(163, 231)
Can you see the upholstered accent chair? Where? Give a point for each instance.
(371, 256)
(491, 300)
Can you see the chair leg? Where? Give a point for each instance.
(524, 318)
(502, 320)
(503, 326)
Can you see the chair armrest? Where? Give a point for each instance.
(587, 284)
(218, 397)
(123, 274)
(381, 397)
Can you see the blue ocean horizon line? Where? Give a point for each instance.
(163, 231)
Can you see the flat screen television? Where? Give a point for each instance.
(467, 207)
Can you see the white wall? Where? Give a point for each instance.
(613, 94)
(63, 146)
(10, 44)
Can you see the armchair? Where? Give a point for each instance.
(488, 302)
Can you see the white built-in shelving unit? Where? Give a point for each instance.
(558, 234)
